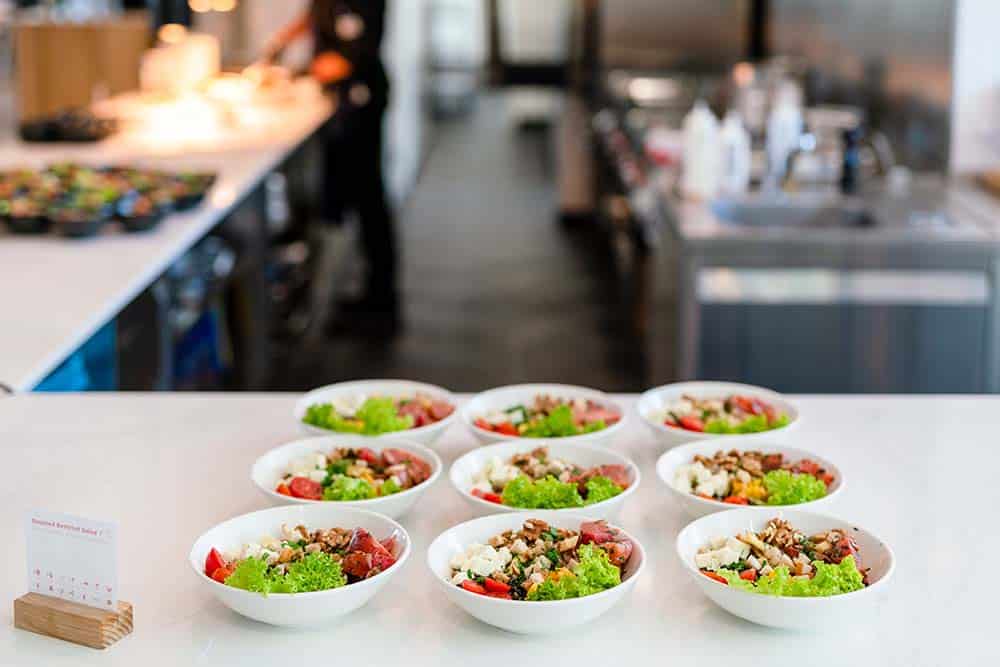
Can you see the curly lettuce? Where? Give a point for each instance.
(559, 423)
(600, 488)
(551, 494)
(788, 488)
(593, 574)
(342, 487)
(829, 580)
(754, 424)
(543, 494)
(313, 572)
(374, 417)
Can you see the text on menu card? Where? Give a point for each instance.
(72, 558)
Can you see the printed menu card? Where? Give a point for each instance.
(72, 558)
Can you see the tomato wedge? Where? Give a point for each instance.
(715, 577)
(369, 456)
(222, 573)
(494, 586)
(488, 497)
(303, 487)
(500, 596)
(749, 574)
(736, 500)
(473, 587)
(283, 489)
(213, 561)
(692, 424)
(483, 424)
(506, 428)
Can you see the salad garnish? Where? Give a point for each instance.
(353, 474)
(782, 561)
(550, 417)
(535, 480)
(303, 561)
(753, 478)
(540, 562)
(376, 415)
(730, 415)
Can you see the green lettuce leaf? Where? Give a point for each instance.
(342, 487)
(314, 572)
(601, 488)
(548, 493)
(389, 487)
(829, 580)
(376, 416)
(594, 574)
(559, 424)
(754, 424)
(250, 575)
(788, 488)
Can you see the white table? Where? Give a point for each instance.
(920, 472)
(56, 293)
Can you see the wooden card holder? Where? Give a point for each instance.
(71, 621)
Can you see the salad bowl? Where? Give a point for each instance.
(503, 399)
(350, 391)
(695, 506)
(467, 468)
(791, 613)
(268, 471)
(654, 404)
(297, 609)
(519, 616)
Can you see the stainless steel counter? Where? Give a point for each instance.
(897, 263)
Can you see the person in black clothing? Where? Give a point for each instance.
(348, 37)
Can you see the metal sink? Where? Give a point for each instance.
(824, 210)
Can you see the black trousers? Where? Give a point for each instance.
(353, 181)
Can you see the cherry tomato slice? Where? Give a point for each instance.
(692, 424)
(473, 587)
(736, 500)
(500, 596)
(303, 487)
(749, 574)
(283, 489)
(487, 496)
(370, 457)
(214, 561)
(494, 586)
(506, 428)
(715, 577)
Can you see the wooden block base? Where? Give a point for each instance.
(71, 621)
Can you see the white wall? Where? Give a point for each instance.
(975, 127)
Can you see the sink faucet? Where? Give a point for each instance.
(854, 142)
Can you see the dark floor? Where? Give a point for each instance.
(496, 291)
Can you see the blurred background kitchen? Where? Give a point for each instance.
(800, 194)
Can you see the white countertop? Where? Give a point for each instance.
(57, 292)
(919, 472)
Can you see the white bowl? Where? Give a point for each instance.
(586, 456)
(270, 468)
(653, 402)
(424, 435)
(666, 468)
(502, 398)
(299, 609)
(521, 616)
(832, 612)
